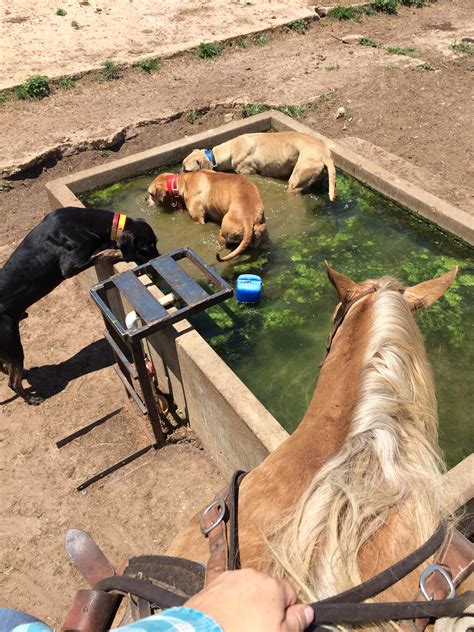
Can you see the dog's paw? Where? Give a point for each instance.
(34, 400)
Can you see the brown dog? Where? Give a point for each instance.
(228, 199)
(294, 155)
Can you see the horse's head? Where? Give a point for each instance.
(422, 295)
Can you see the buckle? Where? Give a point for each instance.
(222, 509)
(436, 568)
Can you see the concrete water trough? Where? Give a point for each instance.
(235, 429)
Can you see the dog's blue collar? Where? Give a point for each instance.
(210, 156)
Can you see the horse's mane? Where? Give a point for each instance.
(389, 459)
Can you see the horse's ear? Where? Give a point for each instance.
(345, 287)
(426, 293)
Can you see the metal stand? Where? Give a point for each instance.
(186, 297)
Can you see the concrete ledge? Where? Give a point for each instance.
(234, 427)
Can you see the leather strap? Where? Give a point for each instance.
(141, 588)
(339, 319)
(91, 611)
(118, 225)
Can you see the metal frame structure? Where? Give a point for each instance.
(185, 296)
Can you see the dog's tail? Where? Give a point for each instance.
(328, 163)
(248, 230)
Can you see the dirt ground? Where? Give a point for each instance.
(423, 116)
(129, 30)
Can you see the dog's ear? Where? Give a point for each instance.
(126, 243)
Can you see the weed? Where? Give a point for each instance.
(110, 70)
(384, 6)
(426, 67)
(463, 47)
(261, 39)
(3, 98)
(287, 77)
(35, 87)
(61, 12)
(345, 13)
(193, 116)
(76, 25)
(149, 65)
(104, 153)
(408, 51)
(366, 41)
(241, 42)
(66, 83)
(293, 111)
(328, 96)
(208, 50)
(416, 3)
(331, 68)
(250, 109)
(5, 185)
(300, 26)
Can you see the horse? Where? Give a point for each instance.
(359, 483)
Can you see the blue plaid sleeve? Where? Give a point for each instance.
(174, 620)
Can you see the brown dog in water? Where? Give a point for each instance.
(228, 199)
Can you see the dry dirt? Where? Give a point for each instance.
(425, 117)
(129, 30)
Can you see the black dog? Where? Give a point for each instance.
(65, 243)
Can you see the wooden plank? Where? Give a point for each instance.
(180, 282)
(141, 300)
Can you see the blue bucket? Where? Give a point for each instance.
(249, 288)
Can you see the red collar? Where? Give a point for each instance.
(173, 191)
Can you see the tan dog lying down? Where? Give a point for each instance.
(294, 155)
(226, 198)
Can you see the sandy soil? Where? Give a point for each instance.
(425, 117)
(129, 30)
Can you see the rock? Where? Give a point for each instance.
(469, 40)
(322, 11)
(341, 112)
(351, 39)
(17, 20)
(228, 117)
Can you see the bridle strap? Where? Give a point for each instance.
(394, 573)
(339, 319)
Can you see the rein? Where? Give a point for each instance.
(339, 319)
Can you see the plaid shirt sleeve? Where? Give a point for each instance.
(174, 620)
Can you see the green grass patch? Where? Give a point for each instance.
(297, 111)
(75, 25)
(149, 65)
(241, 42)
(366, 41)
(250, 109)
(193, 116)
(5, 185)
(385, 6)
(300, 26)
(416, 3)
(328, 96)
(425, 67)
(66, 83)
(3, 98)
(408, 51)
(345, 13)
(61, 12)
(332, 68)
(261, 39)
(463, 47)
(110, 70)
(209, 50)
(35, 87)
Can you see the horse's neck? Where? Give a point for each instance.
(274, 487)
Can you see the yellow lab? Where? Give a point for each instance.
(226, 198)
(294, 155)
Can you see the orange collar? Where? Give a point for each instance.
(118, 225)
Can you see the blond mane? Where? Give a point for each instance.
(390, 459)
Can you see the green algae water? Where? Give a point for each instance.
(275, 347)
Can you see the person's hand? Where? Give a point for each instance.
(251, 601)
